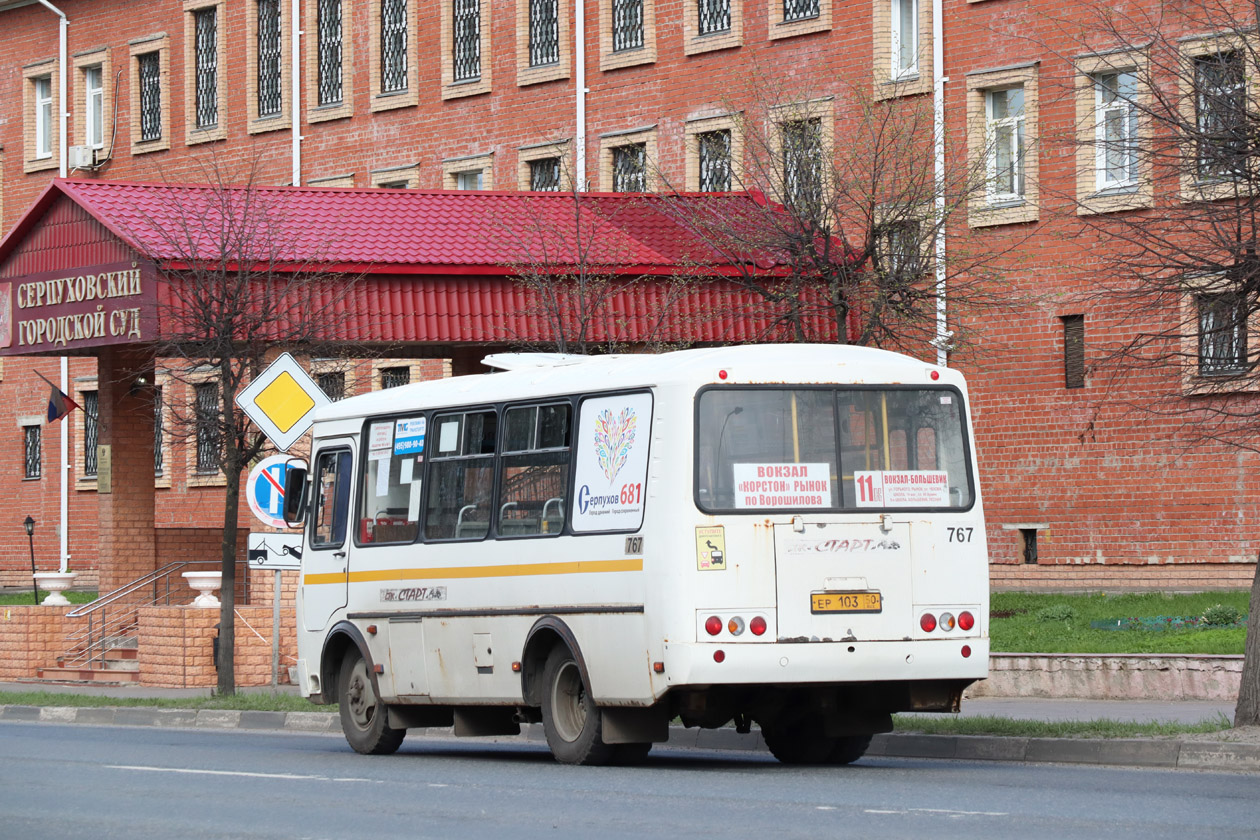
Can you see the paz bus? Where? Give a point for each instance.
(789, 536)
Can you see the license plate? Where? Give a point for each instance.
(845, 602)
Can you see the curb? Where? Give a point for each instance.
(1119, 752)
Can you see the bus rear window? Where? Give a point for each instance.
(765, 449)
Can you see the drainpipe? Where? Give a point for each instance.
(64, 535)
(943, 333)
(295, 85)
(580, 92)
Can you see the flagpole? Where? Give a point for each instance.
(65, 473)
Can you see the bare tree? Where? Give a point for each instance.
(237, 286)
(1167, 190)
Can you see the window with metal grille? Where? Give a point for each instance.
(149, 69)
(627, 23)
(1223, 128)
(206, 24)
(715, 16)
(715, 161)
(467, 52)
(34, 457)
(269, 101)
(902, 250)
(158, 460)
(392, 377)
(91, 431)
(209, 439)
(333, 384)
(393, 46)
(544, 32)
(544, 174)
(330, 34)
(629, 165)
(1222, 334)
(802, 160)
(800, 9)
(1073, 351)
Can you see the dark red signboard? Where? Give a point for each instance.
(62, 311)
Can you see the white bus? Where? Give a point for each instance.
(786, 535)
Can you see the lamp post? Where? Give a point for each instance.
(29, 525)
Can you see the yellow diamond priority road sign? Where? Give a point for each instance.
(282, 401)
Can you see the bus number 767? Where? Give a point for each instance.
(961, 535)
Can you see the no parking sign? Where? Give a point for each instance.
(265, 490)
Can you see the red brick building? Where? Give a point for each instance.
(514, 94)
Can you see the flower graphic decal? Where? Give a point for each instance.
(614, 437)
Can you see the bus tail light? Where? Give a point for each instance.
(928, 622)
(713, 625)
(757, 625)
(947, 622)
(735, 625)
(966, 620)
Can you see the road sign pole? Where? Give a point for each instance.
(275, 633)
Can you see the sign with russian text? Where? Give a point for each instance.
(612, 462)
(891, 489)
(57, 311)
(782, 485)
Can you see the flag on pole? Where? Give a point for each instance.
(59, 405)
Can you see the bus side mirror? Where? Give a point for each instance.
(295, 495)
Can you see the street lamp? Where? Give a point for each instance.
(29, 525)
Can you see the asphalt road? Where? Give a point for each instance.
(121, 782)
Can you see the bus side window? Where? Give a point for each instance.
(332, 499)
(392, 473)
(535, 470)
(461, 476)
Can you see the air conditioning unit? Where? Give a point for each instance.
(82, 157)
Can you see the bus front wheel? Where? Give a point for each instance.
(364, 718)
(571, 720)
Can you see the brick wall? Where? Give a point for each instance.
(177, 646)
(31, 637)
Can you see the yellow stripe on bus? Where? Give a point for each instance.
(575, 567)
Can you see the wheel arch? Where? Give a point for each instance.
(342, 637)
(547, 632)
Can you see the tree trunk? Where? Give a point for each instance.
(227, 608)
(1247, 712)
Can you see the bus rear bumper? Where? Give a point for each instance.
(778, 663)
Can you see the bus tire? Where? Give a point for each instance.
(848, 749)
(798, 743)
(364, 718)
(571, 720)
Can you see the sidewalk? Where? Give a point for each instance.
(1199, 753)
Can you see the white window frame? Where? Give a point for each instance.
(1127, 109)
(470, 179)
(94, 106)
(43, 117)
(897, 14)
(1017, 126)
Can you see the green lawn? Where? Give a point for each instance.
(1022, 622)
(12, 599)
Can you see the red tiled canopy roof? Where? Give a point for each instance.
(405, 231)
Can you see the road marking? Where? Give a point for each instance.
(944, 811)
(246, 774)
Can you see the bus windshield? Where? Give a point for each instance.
(854, 448)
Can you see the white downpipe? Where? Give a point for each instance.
(295, 98)
(63, 153)
(579, 163)
(938, 142)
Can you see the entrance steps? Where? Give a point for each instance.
(120, 665)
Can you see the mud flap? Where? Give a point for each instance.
(625, 725)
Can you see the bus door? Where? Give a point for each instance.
(324, 567)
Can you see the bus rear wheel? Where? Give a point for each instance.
(571, 720)
(364, 718)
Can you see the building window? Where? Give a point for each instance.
(91, 431)
(905, 39)
(269, 96)
(714, 16)
(158, 458)
(629, 168)
(333, 384)
(1222, 322)
(1220, 101)
(149, 69)
(802, 161)
(1073, 351)
(393, 377)
(1004, 118)
(467, 47)
(800, 9)
(470, 180)
(393, 46)
(544, 174)
(330, 52)
(206, 61)
(206, 414)
(43, 117)
(1115, 132)
(902, 250)
(544, 32)
(94, 106)
(715, 161)
(627, 29)
(34, 457)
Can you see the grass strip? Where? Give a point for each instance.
(245, 702)
(1014, 728)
